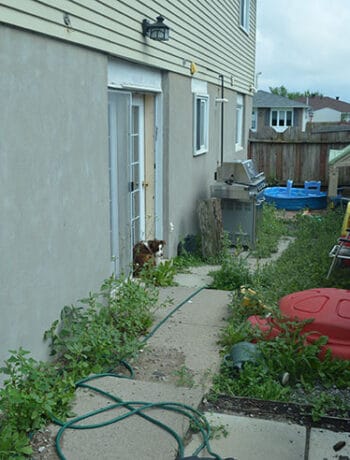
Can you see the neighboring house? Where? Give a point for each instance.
(109, 137)
(277, 112)
(327, 109)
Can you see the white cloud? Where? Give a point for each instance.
(303, 44)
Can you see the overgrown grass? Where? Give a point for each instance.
(303, 265)
(270, 229)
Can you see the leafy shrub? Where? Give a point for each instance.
(252, 381)
(160, 275)
(93, 338)
(89, 338)
(33, 391)
(234, 272)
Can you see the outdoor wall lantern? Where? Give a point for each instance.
(156, 31)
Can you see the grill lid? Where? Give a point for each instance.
(241, 172)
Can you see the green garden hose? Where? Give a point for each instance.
(197, 420)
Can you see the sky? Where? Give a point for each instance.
(304, 45)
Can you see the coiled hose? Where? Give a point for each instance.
(140, 408)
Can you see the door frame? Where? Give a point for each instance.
(116, 224)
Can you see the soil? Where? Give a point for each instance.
(157, 364)
(280, 411)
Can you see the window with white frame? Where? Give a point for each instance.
(244, 14)
(281, 119)
(201, 123)
(239, 121)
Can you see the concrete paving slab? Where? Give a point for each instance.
(171, 297)
(208, 308)
(133, 437)
(327, 445)
(249, 438)
(199, 345)
(198, 277)
(194, 330)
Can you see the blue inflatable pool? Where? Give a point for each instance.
(294, 199)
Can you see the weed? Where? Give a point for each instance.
(184, 377)
(234, 272)
(33, 392)
(269, 231)
(215, 431)
(218, 431)
(88, 338)
(322, 403)
(303, 265)
(104, 329)
(253, 381)
(160, 275)
(184, 262)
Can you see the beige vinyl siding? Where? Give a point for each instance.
(206, 32)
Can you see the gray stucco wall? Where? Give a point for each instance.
(186, 177)
(54, 193)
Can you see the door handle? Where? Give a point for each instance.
(145, 184)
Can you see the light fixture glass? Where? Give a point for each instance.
(156, 31)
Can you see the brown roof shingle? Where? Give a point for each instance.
(322, 102)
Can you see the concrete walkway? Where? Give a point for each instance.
(193, 330)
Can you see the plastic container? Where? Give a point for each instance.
(330, 310)
(294, 199)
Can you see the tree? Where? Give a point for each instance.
(282, 91)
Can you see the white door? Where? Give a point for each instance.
(132, 178)
(137, 170)
(119, 114)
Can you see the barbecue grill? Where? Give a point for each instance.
(239, 186)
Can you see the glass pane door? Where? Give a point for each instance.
(137, 170)
(119, 166)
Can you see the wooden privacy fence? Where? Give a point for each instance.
(297, 155)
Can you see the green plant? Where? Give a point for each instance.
(216, 431)
(270, 229)
(104, 329)
(33, 392)
(184, 377)
(304, 264)
(322, 403)
(184, 262)
(160, 275)
(233, 273)
(14, 444)
(254, 381)
(235, 333)
(290, 352)
(89, 338)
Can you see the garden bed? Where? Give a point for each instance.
(276, 410)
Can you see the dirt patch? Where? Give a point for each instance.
(157, 365)
(275, 410)
(43, 444)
